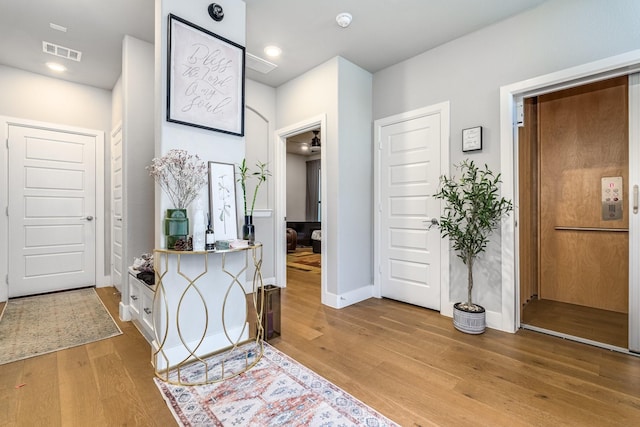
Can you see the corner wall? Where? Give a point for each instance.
(343, 92)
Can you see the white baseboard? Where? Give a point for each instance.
(348, 298)
(123, 312)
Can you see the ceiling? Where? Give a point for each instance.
(383, 32)
(300, 144)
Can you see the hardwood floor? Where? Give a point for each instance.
(413, 366)
(408, 363)
(105, 383)
(608, 327)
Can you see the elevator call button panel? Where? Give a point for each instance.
(611, 198)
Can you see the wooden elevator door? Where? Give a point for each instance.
(583, 137)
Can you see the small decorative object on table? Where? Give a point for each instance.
(248, 229)
(181, 176)
(210, 237)
(223, 245)
(183, 244)
(199, 228)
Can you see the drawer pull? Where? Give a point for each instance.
(147, 310)
(134, 297)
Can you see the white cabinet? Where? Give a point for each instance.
(141, 305)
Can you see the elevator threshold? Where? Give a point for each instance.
(579, 339)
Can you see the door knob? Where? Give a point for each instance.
(431, 221)
(89, 218)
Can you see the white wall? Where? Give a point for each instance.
(355, 198)
(116, 103)
(341, 91)
(209, 145)
(138, 143)
(260, 112)
(469, 72)
(312, 94)
(296, 187)
(31, 96)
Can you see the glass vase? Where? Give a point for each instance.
(248, 230)
(176, 226)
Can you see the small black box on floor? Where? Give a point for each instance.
(271, 313)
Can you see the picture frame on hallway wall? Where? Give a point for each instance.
(472, 139)
(222, 201)
(205, 79)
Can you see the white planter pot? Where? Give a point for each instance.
(470, 322)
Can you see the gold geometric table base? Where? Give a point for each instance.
(196, 288)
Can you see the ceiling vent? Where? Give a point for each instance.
(260, 65)
(61, 51)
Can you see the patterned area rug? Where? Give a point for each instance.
(278, 391)
(304, 260)
(31, 326)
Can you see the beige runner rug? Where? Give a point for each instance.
(31, 326)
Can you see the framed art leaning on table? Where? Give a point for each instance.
(222, 201)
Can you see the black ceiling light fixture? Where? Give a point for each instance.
(315, 142)
(215, 12)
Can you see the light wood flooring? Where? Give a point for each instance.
(105, 383)
(409, 363)
(603, 326)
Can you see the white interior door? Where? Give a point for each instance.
(51, 210)
(117, 248)
(409, 170)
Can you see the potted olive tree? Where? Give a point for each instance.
(472, 210)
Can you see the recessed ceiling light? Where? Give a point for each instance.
(272, 51)
(54, 66)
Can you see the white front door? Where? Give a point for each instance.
(409, 169)
(51, 210)
(117, 248)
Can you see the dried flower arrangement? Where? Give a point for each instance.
(180, 175)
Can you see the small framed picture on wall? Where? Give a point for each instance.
(472, 139)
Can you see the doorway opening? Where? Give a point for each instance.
(573, 178)
(288, 199)
(304, 208)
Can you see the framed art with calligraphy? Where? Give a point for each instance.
(205, 79)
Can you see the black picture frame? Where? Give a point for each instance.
(205, 78)
(472, 139)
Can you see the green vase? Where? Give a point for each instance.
(176, 226)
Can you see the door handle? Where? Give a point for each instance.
(635, 199)
(431, 222)
(89, 218)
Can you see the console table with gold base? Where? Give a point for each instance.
(202, 307)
